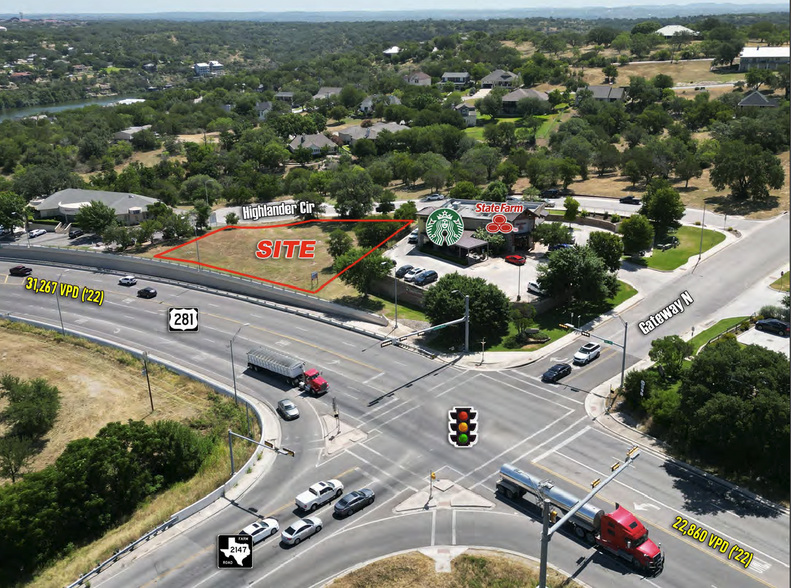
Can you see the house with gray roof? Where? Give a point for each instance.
(607, 93)
(352, 134)
(757, 100)
(369, 104)
(468, 112)
(325, 92)
(418, 78)
(460, 79)
(263, 109)
(511, 100)
(285, 96)
(313, 142)
(500, 78)
(130, 209)
(127, 134)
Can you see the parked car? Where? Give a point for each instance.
(534, 288)
(74, 233)
(549, 204)
(550, 192)
(434, 197)
(37, 233)
(773, 326)
(354, 501)
(287, 409)
(127, 281)
(301, 530)
(412, 237)
(260, 530)
(629, 200)
(560, 246)
(403, 270)
(516, 259)
(20, 270)
(413, 273)
(319, 494)
(147, 292)
(426, 278)
(556, 372)
(587, 353)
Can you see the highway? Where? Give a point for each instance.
(400, 400)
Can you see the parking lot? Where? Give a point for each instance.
(767, 340)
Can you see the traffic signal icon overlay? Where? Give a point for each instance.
(463, 426)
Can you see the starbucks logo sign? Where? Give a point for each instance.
(444, 226)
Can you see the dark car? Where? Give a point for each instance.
(557, 371)
(426, 278)
(147, 292)
(551, 192)
(629, 200)
(773, 326)
(403, 270)
(74, 233)
(20, 270)
(354, 501)
(560, 246)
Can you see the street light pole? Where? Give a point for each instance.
(702, 224)
(623, 359)
(519, 285)
(233, 367)
(466, 323)
(395, 293)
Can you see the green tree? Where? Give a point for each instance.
(579, 274)
(670, 352)
(381, 173)
(662, 205)
(572, 209)
(145, 140)
(489, 308)
(231, 219)
(201, 213)
(552, 233)
(95, 217)
(496, 241)
(302, 155)
(354, 192)
(12, 210)
(748, 170)
(464, 191)
(688, 168)
(638, 233)
(407, 211)
(15, 456)
(497, 191)
(508, 173)
(32, 406)
(362, 274)
(386, 202)
(340, 243)
(372, 234)
(310, 198)
(609, 247)
(200, 187)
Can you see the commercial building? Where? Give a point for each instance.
(763, 57)
(130, 209)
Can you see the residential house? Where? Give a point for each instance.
(606, 93)
(127, 134)
(757, 100)
(763, 57)
(313, 142)
(352, 134)
(511, 100)
(418, 78)
(263, 109)
(285, 97)
(150, 67)
(394, 50)
(460, 79)
(129, 208)
(326, 92)
(80, 69)
(216, 67)
(527, 216)
(368, 105)
(499, 78)
(469, 113)
(22, 76)
(672, 30)
(201, 69)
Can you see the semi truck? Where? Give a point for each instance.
(619, 532)
(263, 359)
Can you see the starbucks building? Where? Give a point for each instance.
(448, 226)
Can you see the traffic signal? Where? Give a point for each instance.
(462, 423)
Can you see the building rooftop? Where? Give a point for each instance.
(670, 30)
(757, 99)
(754, 52)
(121, 202)
(520, 93)
(466, 208)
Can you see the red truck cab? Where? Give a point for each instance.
(314, 382)
(624, 535)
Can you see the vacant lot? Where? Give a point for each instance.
(682, 72)
(484, 569)
(97, 385)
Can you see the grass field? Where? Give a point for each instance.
(470, 570)
(781, 283)
(689, 238)
(720, 327)
(683, 72)
(483, 120)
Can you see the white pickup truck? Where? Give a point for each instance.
(319, 494)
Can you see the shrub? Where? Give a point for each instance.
(584, 213)
(775, 312)
(616, 218)
(697, 223)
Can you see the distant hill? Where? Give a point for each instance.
(586, 12)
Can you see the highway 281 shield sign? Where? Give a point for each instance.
(444, 227)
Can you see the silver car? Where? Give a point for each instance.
(261, 530)
(301, 530)
(287, 409)
(434, 197)
(413, 273)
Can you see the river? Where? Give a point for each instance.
(12, 113)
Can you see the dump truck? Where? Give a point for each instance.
(263, 359)
(619, 532)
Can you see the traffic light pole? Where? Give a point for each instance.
(545, 537)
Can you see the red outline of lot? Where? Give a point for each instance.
(163, 255)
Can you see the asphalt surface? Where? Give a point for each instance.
(401, 400)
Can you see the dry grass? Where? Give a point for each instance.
(683, 72)
(198, 137)
(475, 569)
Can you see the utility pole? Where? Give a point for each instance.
(545, 538)
(148, 380)
(233, 369)
(483, 349)
(702, 224)
(623, 359)
(337, 414)
(466, 323)
(519, 285)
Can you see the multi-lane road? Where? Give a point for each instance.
(400, 401)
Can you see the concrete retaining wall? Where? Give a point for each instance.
(589, 221)
(406, 292)
(126, 264)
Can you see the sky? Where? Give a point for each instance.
(152, 6)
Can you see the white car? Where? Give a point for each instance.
(300, 530)
(127, 281)
(587, 353)
(261, 530)
(37, 232)
(413, 273)
(434, 197)
(319, 494)
(534, 288)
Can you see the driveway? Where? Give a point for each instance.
(767, 340)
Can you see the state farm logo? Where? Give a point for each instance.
(499, 224)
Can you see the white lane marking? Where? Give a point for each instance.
(399, 363)
(398, 416)
(351, 395)
(685, 515)
(380, 374)
(523, 441)
(562, 444)
(528, 393)
(300, 328)
(453, 388)
(453, 528)
(373, 410)
(536, 448)
(206, 579)
(365, 461)
(759, 566)
(542, 388)
(349, 344)
(214, 305)
(395, 463)
(447, 382)
(323, 433)
(433, 526)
